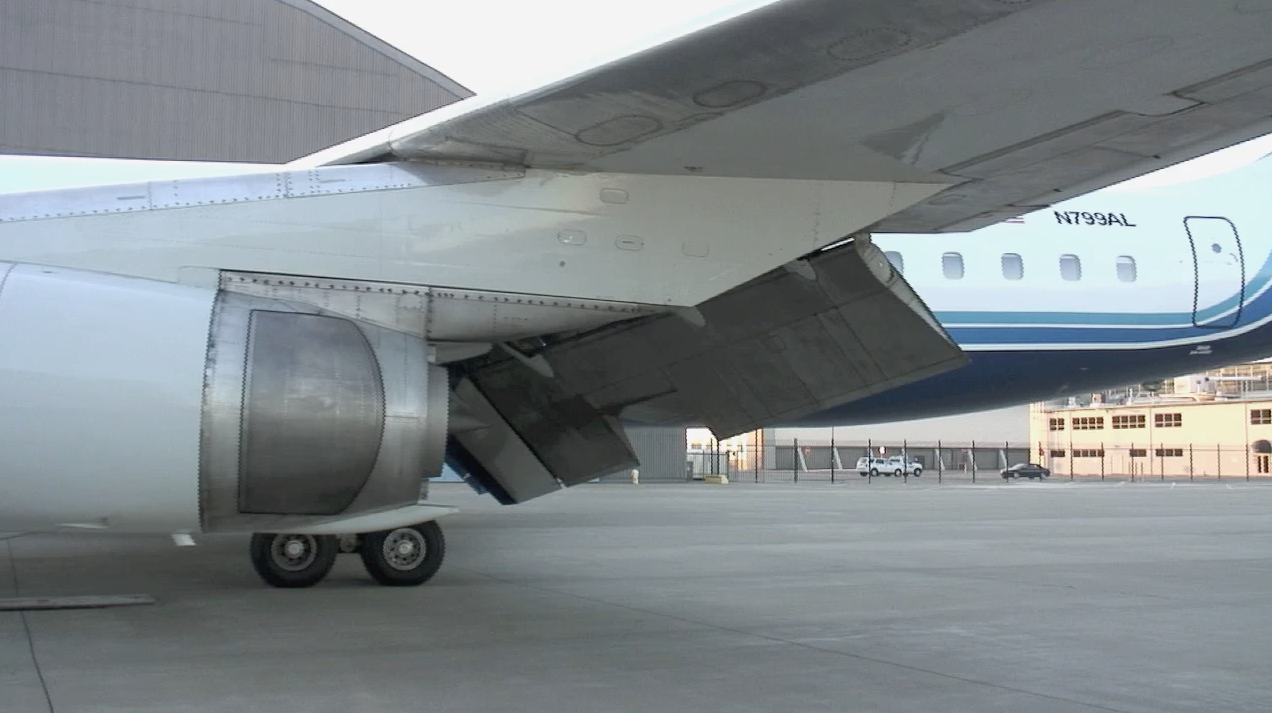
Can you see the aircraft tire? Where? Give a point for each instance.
(292, 561)
(405, 556)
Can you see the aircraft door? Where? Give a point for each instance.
(1218, 271)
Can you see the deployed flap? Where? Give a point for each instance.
(781, 347)
(528, 437)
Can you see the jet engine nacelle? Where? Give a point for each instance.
(144, 406)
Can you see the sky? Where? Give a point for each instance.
(531, 43)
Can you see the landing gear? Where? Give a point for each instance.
(293, 561)
(405, 557)
(401, 557)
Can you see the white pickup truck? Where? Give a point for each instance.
(895, 465)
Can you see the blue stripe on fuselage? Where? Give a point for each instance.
(994, 379)
(1047, 359)
(1253, 310)
(1079, 328)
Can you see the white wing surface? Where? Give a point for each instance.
(1020, 102)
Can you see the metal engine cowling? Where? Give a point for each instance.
(143, 406)
(309, 415)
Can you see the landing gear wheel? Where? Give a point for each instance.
(404, 557)
(292, 561)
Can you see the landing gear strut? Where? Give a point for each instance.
(401, 557)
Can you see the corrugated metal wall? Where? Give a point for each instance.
(217, 80)
(661, 452)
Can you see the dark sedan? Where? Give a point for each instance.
(1026, 470)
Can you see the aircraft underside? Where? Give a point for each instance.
(502, 282)
(247, 400)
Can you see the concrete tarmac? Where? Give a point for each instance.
(1047, 598)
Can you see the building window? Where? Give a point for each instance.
(898, 262)
(1056, 424)
(1088, 423)
(1139, 452)
(1170, 452)
(1088, 452)
(1126, 268)
(1013, 266)
(1070, 268)
(952, 266)
(1261, 464)
(1132, 421)
(1260, 416)
(1057, 453)
(1168, 420)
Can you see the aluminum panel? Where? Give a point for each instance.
(775, 349)
(313, 415)
(324, 414)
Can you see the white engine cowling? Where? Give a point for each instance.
(142, 406)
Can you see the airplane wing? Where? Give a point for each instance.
(1001, 106)
(1020, 103)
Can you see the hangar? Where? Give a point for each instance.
(262, 81)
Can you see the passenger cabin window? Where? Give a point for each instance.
(898, 262)
(1126, 268)
(1013, 266)
(1070, 268)
(952, 266)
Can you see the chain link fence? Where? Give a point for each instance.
(972, 461)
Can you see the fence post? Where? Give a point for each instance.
(1190, 463)
(869, 461)
(1218, 462)
(833, 455)
(1101, 461)
(795, 460)
(759, 453)
(1247, 452)
(905, 460)
(973, 461)
(940, 462)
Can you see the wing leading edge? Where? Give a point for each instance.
(1020, 102)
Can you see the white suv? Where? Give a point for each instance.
(896, 465)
